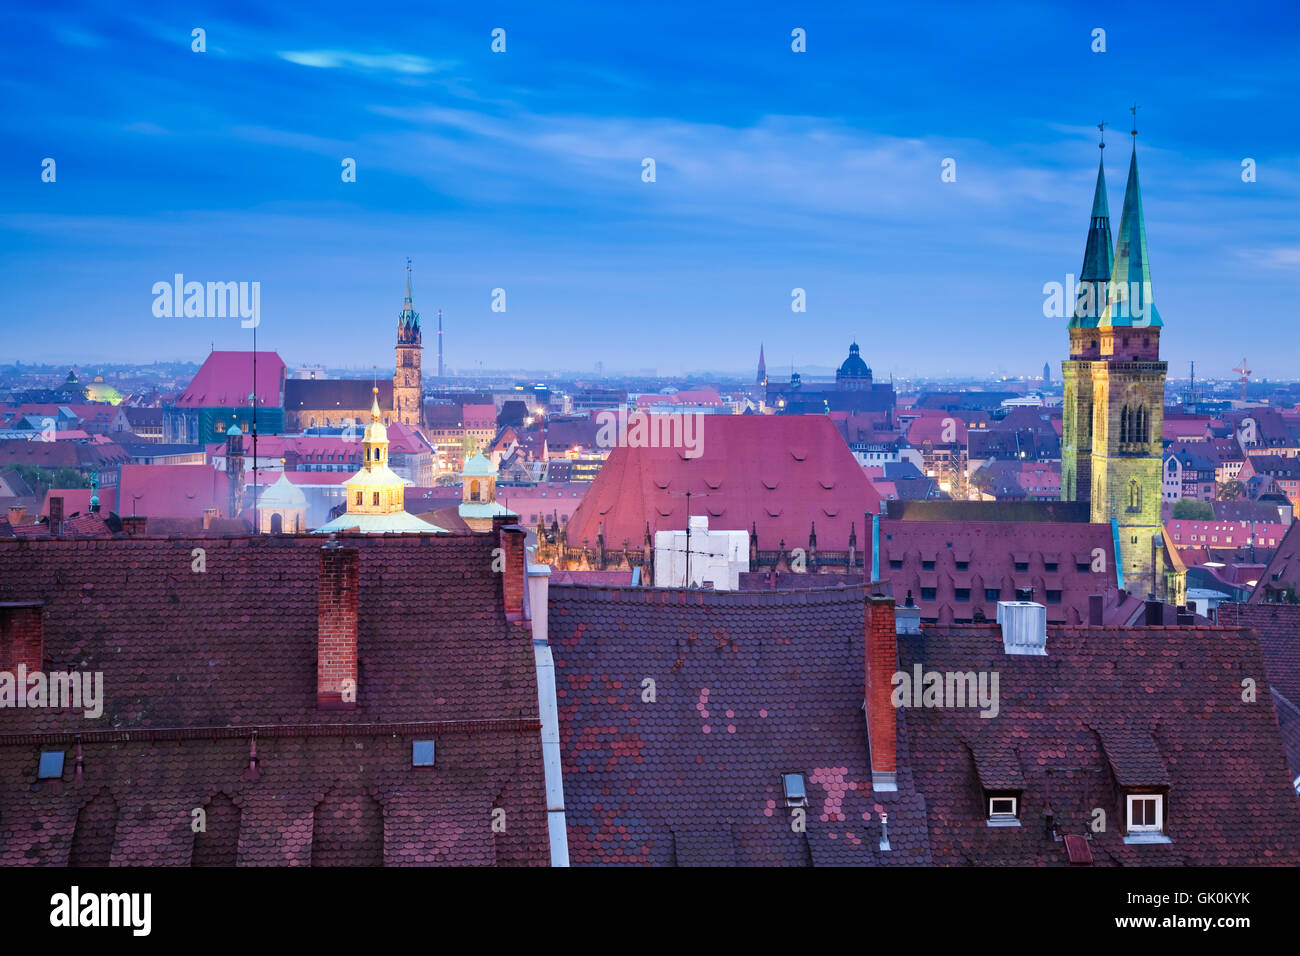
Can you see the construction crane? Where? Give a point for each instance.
(1245, 377)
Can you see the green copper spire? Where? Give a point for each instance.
(408, 320)
(1131, 302)
(1094, 277)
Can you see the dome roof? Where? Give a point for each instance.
(853, 366)
(283, 494)
(478, 467)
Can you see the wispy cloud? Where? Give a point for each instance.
(405, 64)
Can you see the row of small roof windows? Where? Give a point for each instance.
(50, 765)
(1144, 813)
(1049, 567)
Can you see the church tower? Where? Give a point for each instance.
(408, 388)
(1076, 371)
(1119, 383)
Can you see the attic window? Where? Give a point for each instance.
(1004, 808)
(927, 565)
(1022, 566)
(1146, 813)
(795, 793)
(422, 753)
(51, 766)
(896, 564)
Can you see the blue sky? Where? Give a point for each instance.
(522, 170)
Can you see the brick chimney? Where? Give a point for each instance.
(56, 515)
(882, 719)
(1096, 610)
(17, 515)
(134, 525)
(208, 515)
(1154, 612)
(336, 628)
(22, 637)
(514, 572)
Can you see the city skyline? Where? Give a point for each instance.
(522, 171)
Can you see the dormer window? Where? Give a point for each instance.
(1146, 813)
(796, 795)
(1003, 807)
(1144, 818)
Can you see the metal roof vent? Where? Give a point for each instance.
(1024, 627)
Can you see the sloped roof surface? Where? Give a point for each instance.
(782, 473)
(192, 663)
(747, 686)
(1105, 709)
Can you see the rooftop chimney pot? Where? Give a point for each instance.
(1024, 627)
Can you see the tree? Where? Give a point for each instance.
(1192, 508)
(1231, 490)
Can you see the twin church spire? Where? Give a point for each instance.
(1115, 289)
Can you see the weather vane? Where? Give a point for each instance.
(1102, 128)
(1134, 110)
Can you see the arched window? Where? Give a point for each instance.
(473, 490)
(218, 843)
(1134, 495)
(1123, 425)
(95, 832)
(277, 523)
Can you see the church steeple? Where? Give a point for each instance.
(408, 385)
(376, 494)
(1131, 302)
(762, 367)
(1094, 277)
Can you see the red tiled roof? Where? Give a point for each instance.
(1106, 708)
(1284, 569)
(782, 473)
(193, 664)
(991, 551)
(78, 500)
(172, 491)
(747, 686)
(225, 380)
(58, 454)
(1278, 627)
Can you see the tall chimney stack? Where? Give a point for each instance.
(882, 664)
(514, 571)
(22, 637)
(56, 515)
(336, 627)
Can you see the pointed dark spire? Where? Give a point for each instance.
(1130, 299)
(408, 320)
(1094, 277)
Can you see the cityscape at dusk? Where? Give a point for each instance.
(639, 436)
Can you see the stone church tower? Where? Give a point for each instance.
(1114, 391)
(408, 387)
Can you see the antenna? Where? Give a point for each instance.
(1245, 377)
